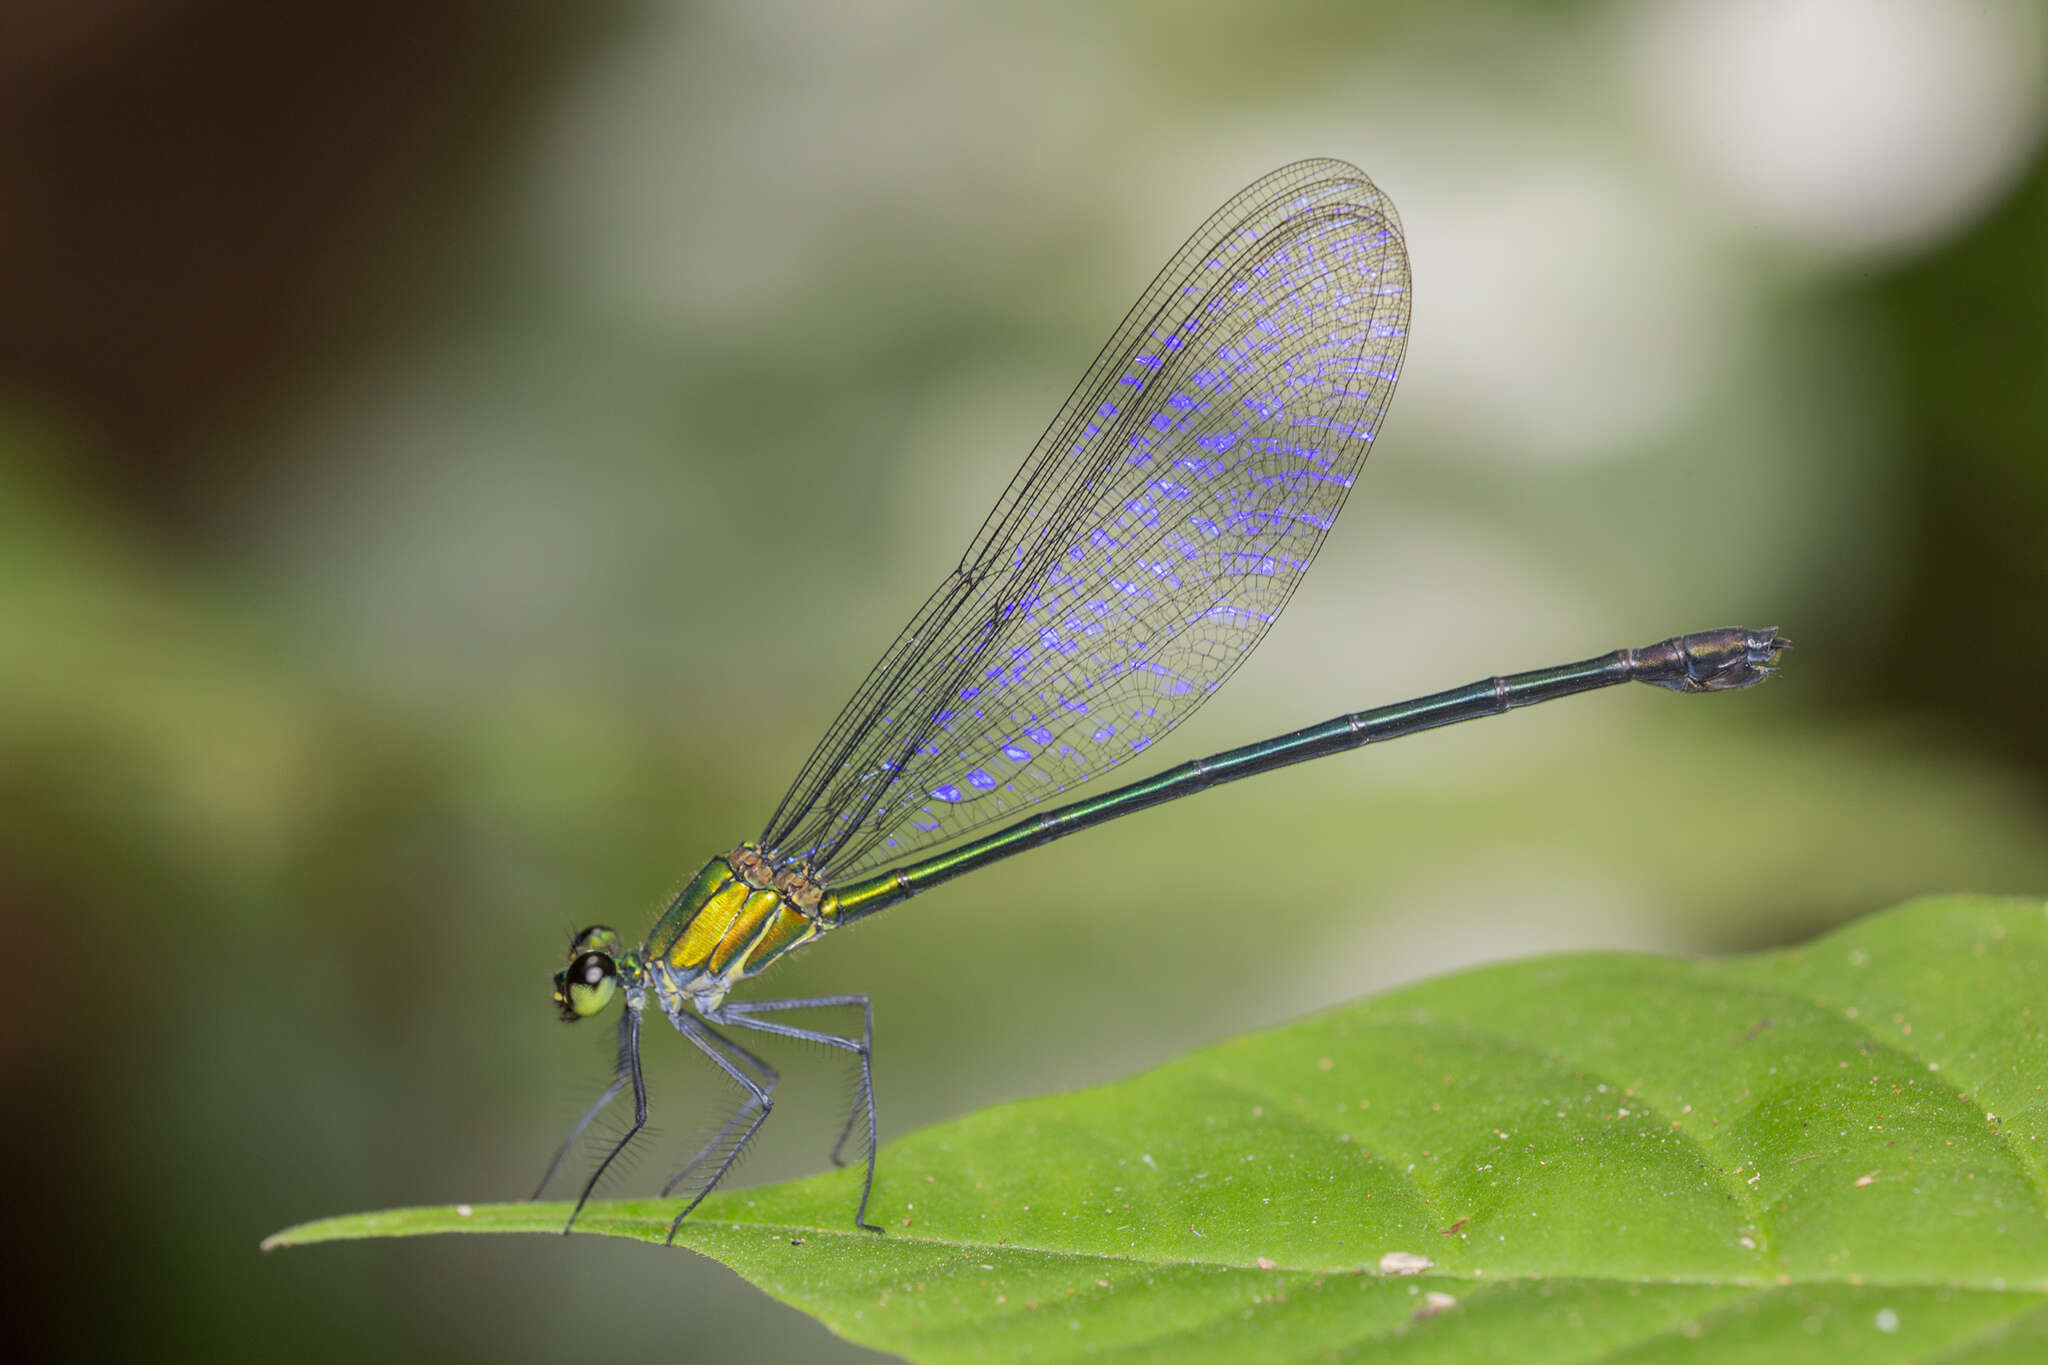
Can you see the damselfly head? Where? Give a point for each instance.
(587, 984)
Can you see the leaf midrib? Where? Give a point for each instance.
(1990, 1285)
(657, 1229)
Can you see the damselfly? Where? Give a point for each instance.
(1139, 556)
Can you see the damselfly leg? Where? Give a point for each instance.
(620, 1075)
(629, 1058)
(738, 1064)
(768, 1077)
(742, 1014)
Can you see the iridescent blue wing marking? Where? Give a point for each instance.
(1148, 542)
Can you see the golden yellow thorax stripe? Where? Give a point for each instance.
(708, 928)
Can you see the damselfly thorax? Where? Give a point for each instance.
(737, 915)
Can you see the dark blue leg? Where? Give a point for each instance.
(744, 1015)
(621, 1070)
(733, 1060)
(769, 1078)
(629, 1050)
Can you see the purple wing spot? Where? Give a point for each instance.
(1201, 506)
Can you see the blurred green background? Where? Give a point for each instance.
(390, 394)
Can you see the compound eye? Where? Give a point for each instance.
(587, 986)
(596, 939)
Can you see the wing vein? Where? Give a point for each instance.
(1148, 542)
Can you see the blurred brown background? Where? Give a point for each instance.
(454, 458)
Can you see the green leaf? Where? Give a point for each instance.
(1829, 1152)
